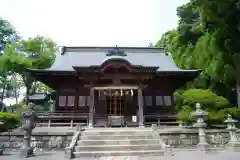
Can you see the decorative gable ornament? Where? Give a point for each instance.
(116, 52)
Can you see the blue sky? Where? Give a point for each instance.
(93, 22)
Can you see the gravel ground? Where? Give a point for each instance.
(180, 155)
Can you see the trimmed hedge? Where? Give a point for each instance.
(206, 98)
(217, 106)
(9, 120)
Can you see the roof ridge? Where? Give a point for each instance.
(64, 49)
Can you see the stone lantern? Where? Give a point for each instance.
(28, 125)
(201, 126)
(233, 142)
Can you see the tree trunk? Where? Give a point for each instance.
(27, 94)
(16, 95)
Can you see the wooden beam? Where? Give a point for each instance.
(126, 76)
(104, 86)
(97, 76)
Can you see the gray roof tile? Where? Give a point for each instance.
(87, 56)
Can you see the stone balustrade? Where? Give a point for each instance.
(199, 137)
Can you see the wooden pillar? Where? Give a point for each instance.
(91, 108)
(140, 108)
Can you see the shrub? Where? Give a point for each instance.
(220, 115)
(185, 114)
(217, 106)
(9, 120)
(206, 98)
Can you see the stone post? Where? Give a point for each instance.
(201, 126)
(28, 125)
(233, 142)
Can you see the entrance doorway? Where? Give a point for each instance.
(115, 110)
(115, 105)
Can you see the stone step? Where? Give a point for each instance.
(118, 129)
(95, 154)
(118, 142)
(115, 137)
(117, 147)
(110, 133)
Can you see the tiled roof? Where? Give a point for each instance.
(88, 56)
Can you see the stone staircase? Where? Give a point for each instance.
(97, 142)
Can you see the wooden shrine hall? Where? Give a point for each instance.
(113, 86)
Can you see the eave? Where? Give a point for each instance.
(98, 69)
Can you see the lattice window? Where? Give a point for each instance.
(167, 100)
(82, 101)
(159, 100)
(62, 101)
(70, 101)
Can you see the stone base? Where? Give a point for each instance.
(68, 153)
(26, 152)
(203, 147)
(234, 146)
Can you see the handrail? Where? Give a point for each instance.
(167, 148)
(68, 153)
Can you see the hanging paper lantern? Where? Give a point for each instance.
(121, 92)
(127, 93)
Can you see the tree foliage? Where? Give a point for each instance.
(7, 32)
(36, 53)
(206, 38)
(217, 106)
(7, 35)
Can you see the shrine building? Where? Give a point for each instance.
(113, 86)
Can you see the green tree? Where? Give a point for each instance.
(36, 53)
(7, 32)
(7, 35)
(5, 86)
(204, 40)
(43, 88)
(16, 85)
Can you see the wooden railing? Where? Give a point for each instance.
(54, 119)
(42, 115)
(61, 114)
(161, 116)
